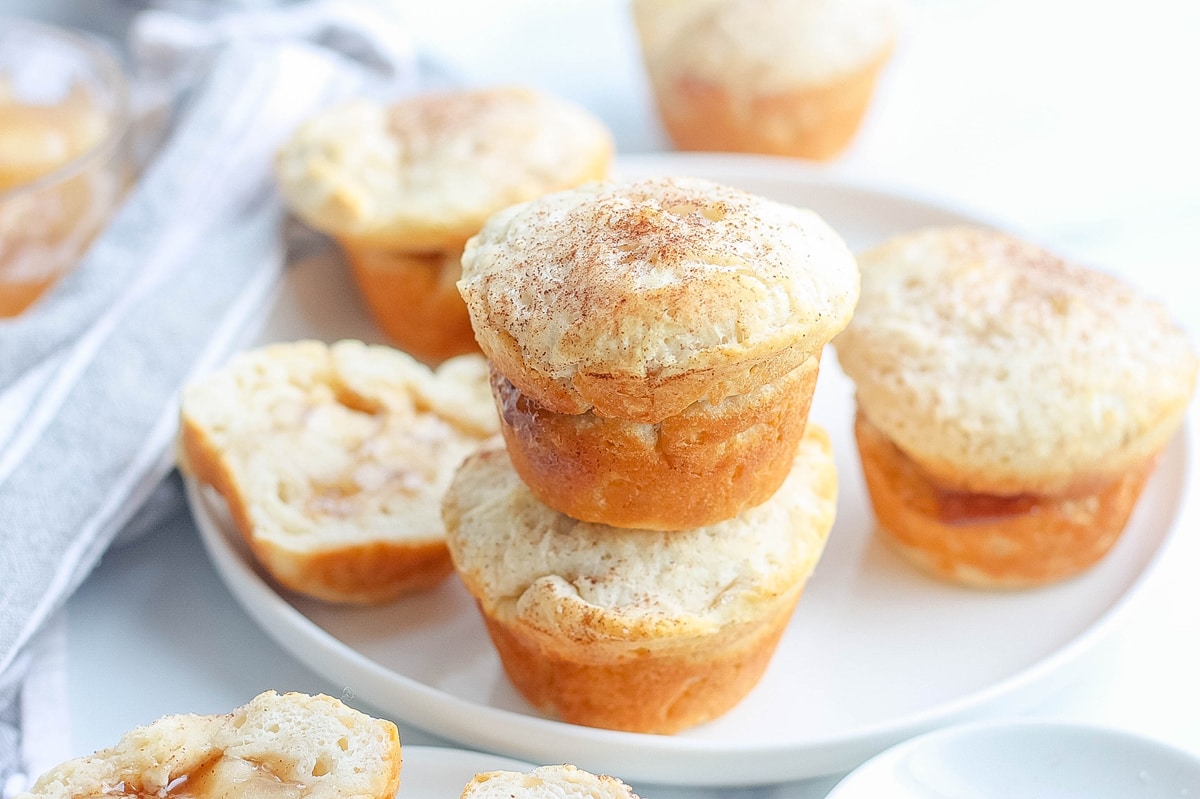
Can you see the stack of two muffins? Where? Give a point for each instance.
(639, 540)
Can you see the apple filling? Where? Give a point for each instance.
(222, 778)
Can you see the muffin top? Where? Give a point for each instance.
(636, 299)
(426, 171)
(605, 586)
(765, 45)
(1000, 368)
(546, 782)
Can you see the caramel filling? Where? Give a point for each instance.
(954, 506)
(368, 453)
(966, 507)
(223, 778)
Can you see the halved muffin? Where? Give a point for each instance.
(333, 460)
(285, 746)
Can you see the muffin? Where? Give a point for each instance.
(289, 746)
(635, 630)
(1010, 405)
(333, 460)
(655, 344)
(402, 187)
(546, 782)
(782, 77)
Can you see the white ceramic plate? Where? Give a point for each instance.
(875, 653)
(1027, 758)
(436, 772)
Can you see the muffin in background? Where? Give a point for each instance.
(403, 186)
(635, 630)
(1010, 405)
(546, 782)
(779, 77)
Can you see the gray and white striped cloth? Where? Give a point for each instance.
(179, 279)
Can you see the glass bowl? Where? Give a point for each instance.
(64, 164)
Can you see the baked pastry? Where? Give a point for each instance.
(655, 344)
(1010, 404)
(333, 460)
(782, 77)
(696, 467)
(546, 782)
(286, 746)
(402, 188)
(636, 630)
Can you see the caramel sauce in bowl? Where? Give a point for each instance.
(64, 162)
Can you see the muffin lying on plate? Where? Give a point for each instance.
(636, 630)
(402, 187)
(285, 746)
(782, 77)
(655, 344)
(546, 782)
(1010, 405)
(333, 460)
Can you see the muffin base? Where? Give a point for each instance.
(991, 541)
(642, 690)
(413, 299)
(697, 468)
(816, 122)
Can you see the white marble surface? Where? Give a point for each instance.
(1073, 122)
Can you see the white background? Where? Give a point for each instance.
(1075, 123)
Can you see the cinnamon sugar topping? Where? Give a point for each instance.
(656, 278)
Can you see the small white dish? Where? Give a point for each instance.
(437, 772)
(1025, 758)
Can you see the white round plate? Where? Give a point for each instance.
(875, 653)
(1026, 758)
(438, 772)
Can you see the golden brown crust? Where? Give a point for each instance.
(664, 692)
(647, 399)
(991, 541)
(413, 298)
(362, 574)
(816, 122)
(701, 466)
